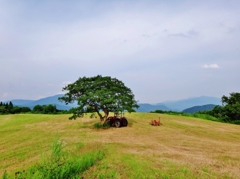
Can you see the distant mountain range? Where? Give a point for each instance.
(150, 107)
(194, 109)
(43, 101)
(179, 105)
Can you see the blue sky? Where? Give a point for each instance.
(162, 50)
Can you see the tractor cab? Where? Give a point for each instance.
(118, 120)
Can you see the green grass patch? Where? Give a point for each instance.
(60, 164)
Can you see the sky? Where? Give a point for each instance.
(161, 49)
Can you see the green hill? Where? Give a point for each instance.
(194, 109)
(183, 147)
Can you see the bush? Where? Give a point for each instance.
(106, 125)
(98, 125)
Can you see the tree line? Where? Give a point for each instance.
(228, 112)
(9, 108)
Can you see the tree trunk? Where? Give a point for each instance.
(103, 118)
(106, 112)
(100, 115)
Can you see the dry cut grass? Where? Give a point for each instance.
(183, 147)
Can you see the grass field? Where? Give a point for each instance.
(183, 147)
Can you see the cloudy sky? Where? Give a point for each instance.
(161, 49)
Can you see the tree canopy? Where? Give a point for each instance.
(230, 109)
(99, 94)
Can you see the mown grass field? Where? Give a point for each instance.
(183, 147)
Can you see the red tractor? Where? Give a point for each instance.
(118, 120)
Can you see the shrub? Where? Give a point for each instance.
(98, 125)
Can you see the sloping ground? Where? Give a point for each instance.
(182, 147)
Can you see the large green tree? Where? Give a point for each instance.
(99, 94)
(231, 107)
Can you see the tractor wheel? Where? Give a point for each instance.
(124, 122)
(117, 123)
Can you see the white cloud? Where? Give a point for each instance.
(211, 66)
